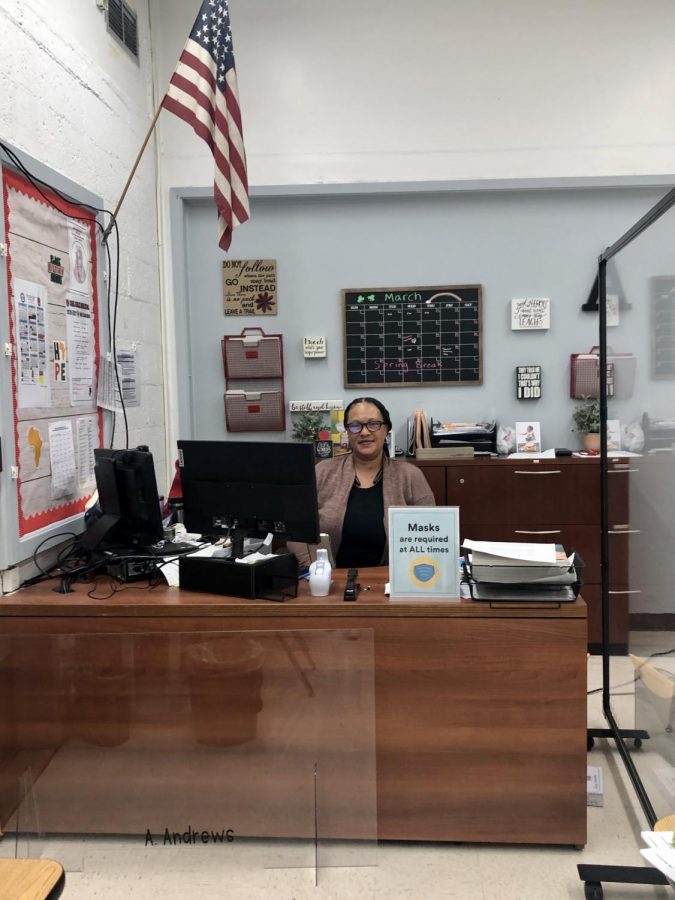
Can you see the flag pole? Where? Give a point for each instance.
(109, 228)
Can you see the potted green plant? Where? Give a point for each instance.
(587, 422)
(310, 426)
(307, 426)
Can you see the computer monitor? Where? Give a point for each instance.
(128, 513)
(249, 489)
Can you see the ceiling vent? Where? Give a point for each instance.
(122, 22)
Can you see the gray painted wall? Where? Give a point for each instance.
(515, 243)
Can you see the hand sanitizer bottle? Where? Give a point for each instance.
(319, 575)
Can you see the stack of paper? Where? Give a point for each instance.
(506, 562)
(660, 852)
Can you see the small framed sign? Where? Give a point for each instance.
(528, 382)
(424, 552)
(314, 347)
(530, 313)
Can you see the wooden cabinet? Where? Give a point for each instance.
(553, 500)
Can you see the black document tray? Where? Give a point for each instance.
(484, 440)
(519, 592)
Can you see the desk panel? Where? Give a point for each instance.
(480, 712)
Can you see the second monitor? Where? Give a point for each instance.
(249, 489)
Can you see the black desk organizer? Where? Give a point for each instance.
(522, 592)
(482, 440)
(275, 578)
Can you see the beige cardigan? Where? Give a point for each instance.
(402, 485)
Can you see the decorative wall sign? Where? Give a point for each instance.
(662, 290)
(314, 347)
(250, 287)
(528, 382)
(530, 313)
(397, 337)
(612, 317)
(312, 405)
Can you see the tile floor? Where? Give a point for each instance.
(124, 869)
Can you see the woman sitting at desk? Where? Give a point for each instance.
(355, 491)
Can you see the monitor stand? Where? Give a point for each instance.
(97, 530)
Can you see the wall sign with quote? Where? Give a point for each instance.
(314, 347)
(250, 287)
(528, 382)
(662, 291)
(396, 337)
(530, 313)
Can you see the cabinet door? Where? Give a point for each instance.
(522, 493)
(435, 476)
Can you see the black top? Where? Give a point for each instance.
(363, 534)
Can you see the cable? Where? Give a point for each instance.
(36, 182)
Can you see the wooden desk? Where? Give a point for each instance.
(480, 712)
(31, 879)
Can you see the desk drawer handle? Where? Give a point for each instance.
(547, 472)
(621, 470)
(624, 592)
(627, 531)
(522, 531)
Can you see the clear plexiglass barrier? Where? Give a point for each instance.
(640, 336)
(143, 756)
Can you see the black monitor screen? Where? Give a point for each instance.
(129, 511)
(253, 487)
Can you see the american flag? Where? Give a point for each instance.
(203, 92)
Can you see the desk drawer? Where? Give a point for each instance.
(525, 494)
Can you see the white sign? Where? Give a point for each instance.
(612, 309)
(30, 310)
(528, 313)
(314, 347)
(80, 352)
(314, 405)
(62, 458)
(424, 552)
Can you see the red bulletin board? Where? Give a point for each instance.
(52, 261)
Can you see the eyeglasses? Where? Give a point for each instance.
(371, 425)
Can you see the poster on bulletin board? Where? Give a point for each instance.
(53, 328)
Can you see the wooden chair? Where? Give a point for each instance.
(31, 879)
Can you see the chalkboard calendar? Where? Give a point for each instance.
(397, 337)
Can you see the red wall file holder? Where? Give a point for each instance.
(585, 375)
(254, 410)
(253, 354)
(247, 359)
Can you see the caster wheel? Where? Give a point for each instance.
(593, 890)
(590, 743)
(637, 743)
